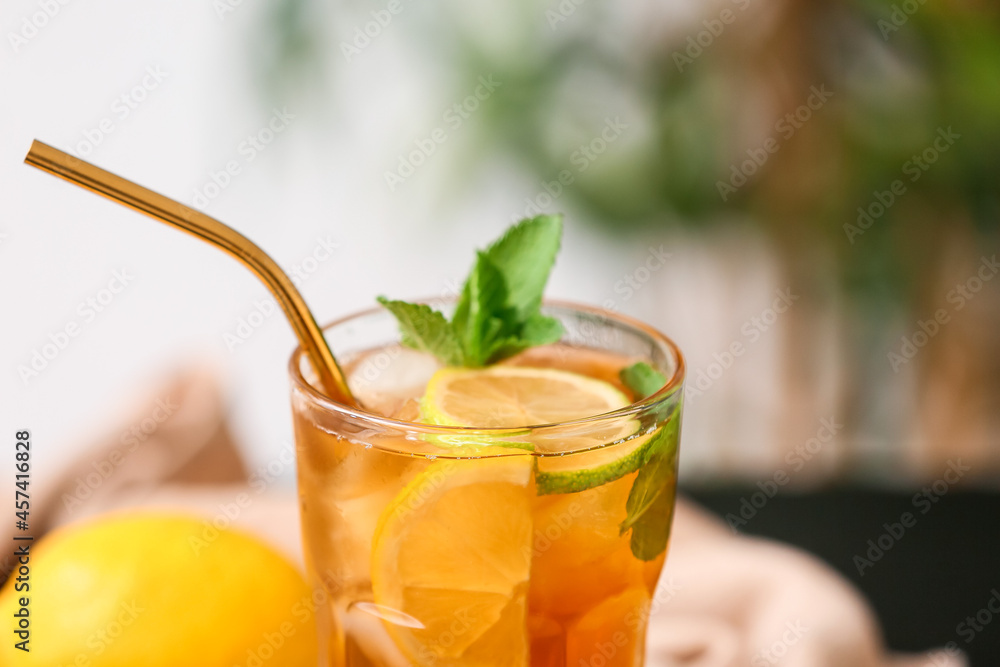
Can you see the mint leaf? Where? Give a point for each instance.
(652, 510)
(650, 505)
(498, 312)
(538, 330)
(481, 317)
(425, 329)
(642, 379)
(525, 255)
(541, 330)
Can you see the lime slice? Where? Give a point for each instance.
(451, 555)
(582, 470)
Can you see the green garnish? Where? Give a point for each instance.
(425, 329)
(650, 503)
(642, 379)
(588, 470)
(498, 313)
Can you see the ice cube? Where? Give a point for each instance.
(384, 379)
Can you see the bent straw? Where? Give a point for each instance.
(208, 229)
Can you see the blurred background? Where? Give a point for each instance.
(804, 195)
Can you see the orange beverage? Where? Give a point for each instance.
(505, 544)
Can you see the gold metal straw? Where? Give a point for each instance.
(208, 229)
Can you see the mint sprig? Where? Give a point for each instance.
(498, 312)
(650, 505)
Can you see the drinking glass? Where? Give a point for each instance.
(434, 545)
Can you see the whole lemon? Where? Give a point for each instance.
(158, 590)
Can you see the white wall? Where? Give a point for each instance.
(321, 177)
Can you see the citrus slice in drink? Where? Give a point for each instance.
(515, 396)
(451, 556)
(583, 470)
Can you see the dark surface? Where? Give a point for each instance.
(943, 569)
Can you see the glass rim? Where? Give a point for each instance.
(672, 385)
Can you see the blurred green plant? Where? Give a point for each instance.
(899, 71)
(288, 49)
(860, 137)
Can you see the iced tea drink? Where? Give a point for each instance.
(534, 539)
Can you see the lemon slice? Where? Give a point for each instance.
(515, 396)
(452, 555)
